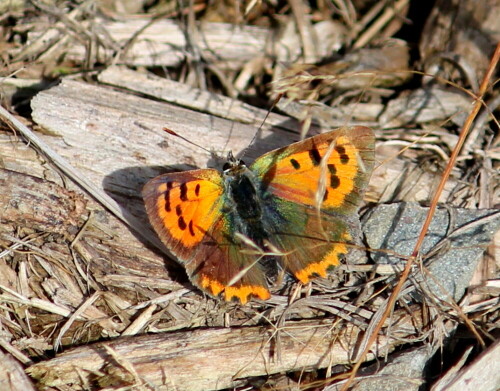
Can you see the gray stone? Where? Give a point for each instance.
(457, 239)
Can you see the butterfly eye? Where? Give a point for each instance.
(232, 164)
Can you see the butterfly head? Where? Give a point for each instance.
(233, 166)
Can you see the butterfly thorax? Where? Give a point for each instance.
(242, 192)
(243, 202)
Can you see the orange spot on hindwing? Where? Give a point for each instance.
(321, 268)
(242, 293)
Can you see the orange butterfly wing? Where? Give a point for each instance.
(334, 166)
(186, 211)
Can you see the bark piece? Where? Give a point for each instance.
(157, 43)
(52, 210)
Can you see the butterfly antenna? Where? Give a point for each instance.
(275, 102)
(170, 131)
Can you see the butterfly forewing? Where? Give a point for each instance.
(294, 173)
(183, 206)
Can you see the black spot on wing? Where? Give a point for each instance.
(178, 210)
(191, 230)
(295, 164)
(334, 181)
(344, 158)
(197, 189)
(315, 156)
(181, 223)
(184, 190)
(168, 208)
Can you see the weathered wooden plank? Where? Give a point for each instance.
(208, 359)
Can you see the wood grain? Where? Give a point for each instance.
(208, 359)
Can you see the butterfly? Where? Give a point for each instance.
(293, 209)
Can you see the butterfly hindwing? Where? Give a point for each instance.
(186, 211)
(221, 266)
(311, 243)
